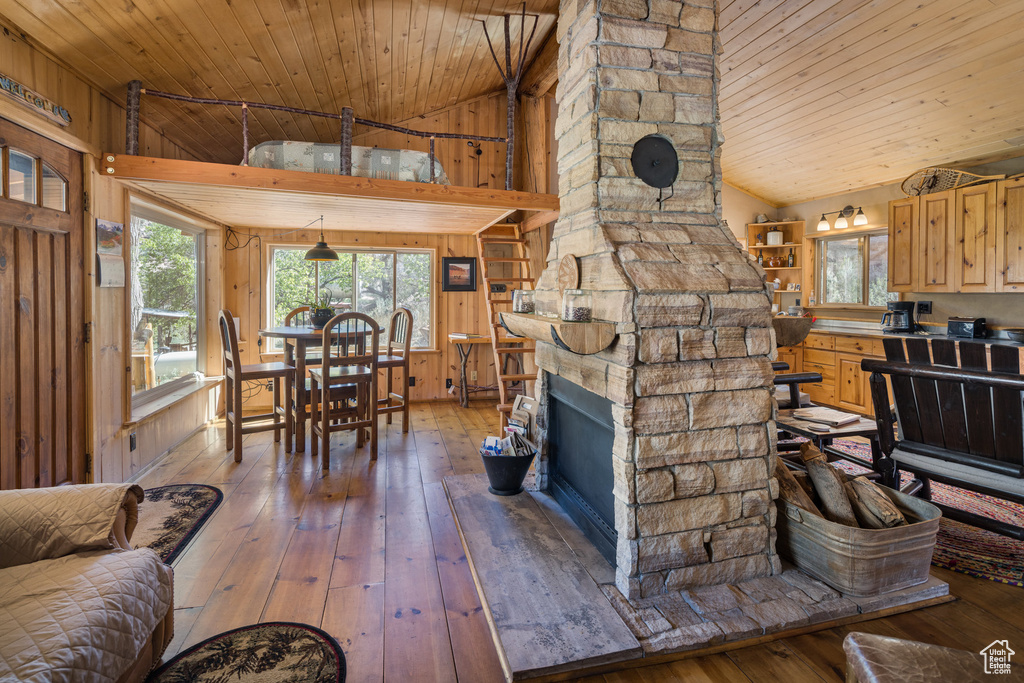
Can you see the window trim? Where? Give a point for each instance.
(138, 207)
(819, 257)
(268, 303)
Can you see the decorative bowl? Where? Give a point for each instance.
(790, 331)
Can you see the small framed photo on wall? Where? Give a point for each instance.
(458, 274)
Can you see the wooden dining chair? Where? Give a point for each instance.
(234, 374)
(395, 356)
(348, 374)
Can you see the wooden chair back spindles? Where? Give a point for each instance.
(297, 317)
(351, 342)
(234, 374)
(396, 356)
(229, 342)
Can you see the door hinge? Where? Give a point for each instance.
(85, 201)
(88, 463)
(87, 333)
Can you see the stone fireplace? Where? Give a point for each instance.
(691, 425)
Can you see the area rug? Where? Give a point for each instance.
(274, 652)
(961, 547)
(170, 516)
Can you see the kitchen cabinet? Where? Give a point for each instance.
(852, 391)
(936, 242)
(903, 216)
(974, 265)
(1010, 235)
(793, 355)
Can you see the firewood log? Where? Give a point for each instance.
(828, 482)
(791, 491)
(805, 484)
(872, 507)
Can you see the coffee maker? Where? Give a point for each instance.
(899, 319)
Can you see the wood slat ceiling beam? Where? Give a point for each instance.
(271, 198)
(818, 97)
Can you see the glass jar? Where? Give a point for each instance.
(523, 301)
(577, 305)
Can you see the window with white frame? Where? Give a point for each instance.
(166, 301)
(853, 270)
(373, 282)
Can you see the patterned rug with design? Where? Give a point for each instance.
(170, 516)
(274, 652)
(961, 547)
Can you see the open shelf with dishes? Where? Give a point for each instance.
(779, 248)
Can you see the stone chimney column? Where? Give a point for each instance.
(689, 375)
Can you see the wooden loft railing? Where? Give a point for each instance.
(347, 118)
(512, 76)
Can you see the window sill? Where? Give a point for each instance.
(269, 356)
(157, 405)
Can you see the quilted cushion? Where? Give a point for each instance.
(82, 617)
(38, 524)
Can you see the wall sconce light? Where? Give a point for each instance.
(321, 252)
(841, 221)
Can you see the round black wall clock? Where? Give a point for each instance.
(655, 161)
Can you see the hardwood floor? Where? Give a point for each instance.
(369, 552)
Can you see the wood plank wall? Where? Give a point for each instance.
(245, 273)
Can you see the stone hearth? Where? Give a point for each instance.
(689, 375)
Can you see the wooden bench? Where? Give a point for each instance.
(959, 418)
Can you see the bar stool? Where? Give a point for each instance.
(396, 355)
(234, 374)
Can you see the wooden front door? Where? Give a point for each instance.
(42, 320)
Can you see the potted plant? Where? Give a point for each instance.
(320, 311)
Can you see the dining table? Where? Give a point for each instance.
(297, 341)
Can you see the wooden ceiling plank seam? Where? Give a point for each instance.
(73, 35)
(846, 32)
(957, 109)
(384, 54)
(123, 27)
(751, 18)
(811, 18)
(246, 55)
(810, 123)
(401, 21)
(417, 40)
(428, 50)
(813, 98)
(277, 23)
(251, 25)
(819, 56)
(363, 15)
(835, 63)
(314, 52)
(353, 59)
(215, 83)
(460, 33)
(451, 16)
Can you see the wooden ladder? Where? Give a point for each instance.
(513, 271)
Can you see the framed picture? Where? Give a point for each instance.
(458, 274)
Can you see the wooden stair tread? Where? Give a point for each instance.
(502, 240)
(508, 279)
(516, 378)
(504, 259)
(527, 349)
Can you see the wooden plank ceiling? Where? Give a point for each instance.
(818, 97)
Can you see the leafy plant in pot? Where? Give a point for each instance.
(320, 311)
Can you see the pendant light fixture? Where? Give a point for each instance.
(321, 252)
(841, 220)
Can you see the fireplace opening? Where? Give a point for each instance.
(580, 437)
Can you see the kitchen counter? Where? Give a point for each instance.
(844, 328)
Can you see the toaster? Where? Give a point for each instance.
(966, 328)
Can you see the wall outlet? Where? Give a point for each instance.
(474, 376)
(924, 307)
(499, 289)
(132, 442)
(448, 383)
(412, 380)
